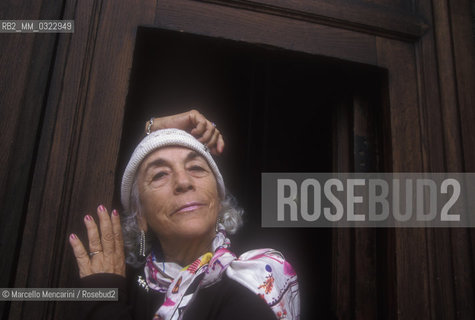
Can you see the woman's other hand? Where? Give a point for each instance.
(196, 124)
(106, 250)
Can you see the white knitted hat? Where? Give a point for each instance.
(159, 139)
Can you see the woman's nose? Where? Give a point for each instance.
(183, 181)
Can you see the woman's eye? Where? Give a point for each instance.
(159, 176)
(196, 168)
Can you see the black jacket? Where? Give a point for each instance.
(226, 299)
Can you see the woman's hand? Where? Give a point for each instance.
(196, 124)
(106, 252)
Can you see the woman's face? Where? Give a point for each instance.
(178, 194)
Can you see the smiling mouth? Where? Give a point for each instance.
(189, 207)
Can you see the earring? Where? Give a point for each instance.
(142, 244)
(217, 224)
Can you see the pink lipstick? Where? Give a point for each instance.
(189, 207)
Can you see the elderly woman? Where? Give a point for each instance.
(175, 219)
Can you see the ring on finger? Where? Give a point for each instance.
(149, 126)
(94, 253)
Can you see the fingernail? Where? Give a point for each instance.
(88, 218)
(115, 213)
(102, 208)
(73, 236)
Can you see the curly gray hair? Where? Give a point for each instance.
(230, 216)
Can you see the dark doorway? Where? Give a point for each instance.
(275, 109)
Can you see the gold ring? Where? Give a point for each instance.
(149, 126)
(94, 253)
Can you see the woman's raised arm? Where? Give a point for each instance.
(193, 122)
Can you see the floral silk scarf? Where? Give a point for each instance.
(263, 271)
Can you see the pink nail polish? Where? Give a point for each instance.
(88, 218)
(102, 208)
(73, 236)
(115, 213)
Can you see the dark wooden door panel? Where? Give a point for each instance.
(400, 61)
(79, 143)
(260, 28)
(25, 64)
(392, 19)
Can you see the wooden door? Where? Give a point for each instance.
(72, 91)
